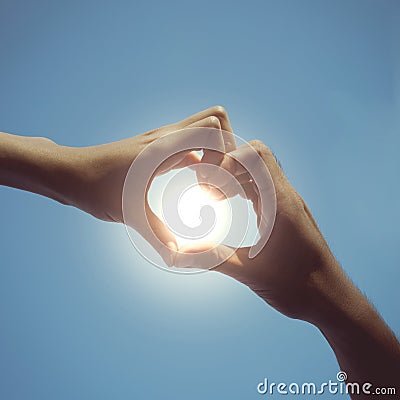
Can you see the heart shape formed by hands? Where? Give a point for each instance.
(198, 203)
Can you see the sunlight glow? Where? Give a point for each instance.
(192, 198)
(189, 207)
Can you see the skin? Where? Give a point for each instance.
(92, 178)
(295, 273)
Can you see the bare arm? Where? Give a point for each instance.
(39, 165)
(366, 349)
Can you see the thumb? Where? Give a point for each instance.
(212, 256)
(157, 234)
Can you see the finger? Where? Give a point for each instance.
(212, 157)
(215, 117)
(208, 122)
(221, 114)
(226, 186)
(258, 161)
(190, 159)
(233, 164)
(210, 256)
(241, 185)
(183, 158)
(202, 255)
(222, 193)
(173, 147)
(217, 112)
(155, 232)
(235, 161)
(250, 191)
(179, 160)
(144, 168)
(222, 122)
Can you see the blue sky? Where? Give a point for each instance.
(82, 315)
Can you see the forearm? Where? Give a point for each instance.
(366, 348)
(40, 166)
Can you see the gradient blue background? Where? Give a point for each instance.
(82, 316)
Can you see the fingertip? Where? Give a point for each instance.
(192, 159)
(172, 246)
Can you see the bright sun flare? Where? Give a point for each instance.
(188, 199)
(192, 199)
(190, 204)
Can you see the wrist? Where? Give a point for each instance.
(76, 174)
(70, 173)
(95, 176)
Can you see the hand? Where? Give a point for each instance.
(288, 271)
(105, 168)
(92, 178)
(297, 274)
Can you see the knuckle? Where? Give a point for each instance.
(220, 111)
(258, 145)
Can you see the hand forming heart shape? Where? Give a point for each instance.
(239, 172)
